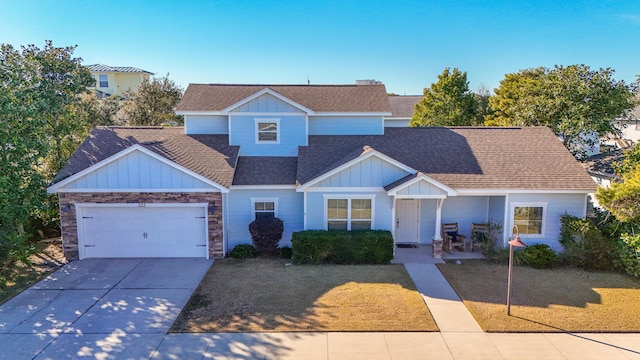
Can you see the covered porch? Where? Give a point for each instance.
(422, 205)
(423, 254)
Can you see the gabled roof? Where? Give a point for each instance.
(460, 158)
(319, 98)
(121, 69)
(403, 106)
(266, 170)
(207, 155)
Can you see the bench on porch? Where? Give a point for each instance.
(451, 238)
(479, 232)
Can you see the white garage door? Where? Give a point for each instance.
(152, 231)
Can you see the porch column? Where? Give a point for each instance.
(393, 221)
(436, 244)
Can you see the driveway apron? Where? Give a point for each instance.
(99, 308)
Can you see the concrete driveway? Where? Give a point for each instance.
(99, 308)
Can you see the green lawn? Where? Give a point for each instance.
(551, 300)
(256, 295)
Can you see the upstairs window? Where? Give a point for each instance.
(264, 208)
(104, 81)
(268, 131)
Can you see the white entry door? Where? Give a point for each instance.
(407, 220)
(152, 231)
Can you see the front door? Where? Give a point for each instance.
(407, 221)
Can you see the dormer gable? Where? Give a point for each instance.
(267, 101)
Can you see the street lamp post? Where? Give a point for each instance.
(517, 243)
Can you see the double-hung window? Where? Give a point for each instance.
(529, 218)
(104, 81)
(351, 213)
(264, 208)
(268, 131)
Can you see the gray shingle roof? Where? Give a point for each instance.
(207, 155)
(461, 158)
(403, 106)
(319, 98)
(266, 170)
(122, 69)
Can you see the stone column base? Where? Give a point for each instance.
(436, 245)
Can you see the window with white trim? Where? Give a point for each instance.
(352, 213)
(268, 131)
(264, 208)
(104, 81)
(529, 217)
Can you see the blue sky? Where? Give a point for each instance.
(404, 44)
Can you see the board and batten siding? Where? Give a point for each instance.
(370, 172)
(239, 214)
(343, 125)
(137, 170)
(383, 205)
(556, 205)
(422, 188)
(267, 103)
(206, 124)
(428, 208)
(292, 133)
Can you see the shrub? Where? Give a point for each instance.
(243, 251)
(266, 233)
(285, 252)
(342, 247)
(584, 244)
(487, 243)
(629, 254)
(539, 256)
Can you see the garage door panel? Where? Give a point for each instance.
(166, 231)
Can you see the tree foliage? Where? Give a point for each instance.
(577, 103)
(623, 199)
(39, 91)
(448, 102)
(152, 103)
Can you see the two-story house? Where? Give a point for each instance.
(316, 156)
(116, 80)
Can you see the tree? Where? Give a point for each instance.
(38, 93)
(577, 103)
(482, 109)
(95, 111)
(447, 102)
(152, 103)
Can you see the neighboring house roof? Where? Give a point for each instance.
(403, 106)
(207, 155)
(635, 112)
(319, 98)
(266, 170)
(461, 158)
(121, 69)
(601, 165)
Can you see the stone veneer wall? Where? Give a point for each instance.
(69, 226)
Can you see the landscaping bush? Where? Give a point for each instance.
(487, 244)
(539, 256)
(342, 247)
(584, 244)
(266, 233)
(243, 251)
(285, 252)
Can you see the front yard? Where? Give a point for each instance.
(47, 259)
(554, 300)
(257, 295)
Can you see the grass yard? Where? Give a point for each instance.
(48, 259)
(554, 300)
(257, 295)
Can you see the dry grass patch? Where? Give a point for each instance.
(555, 300)
(48, 259)
(256, 295)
